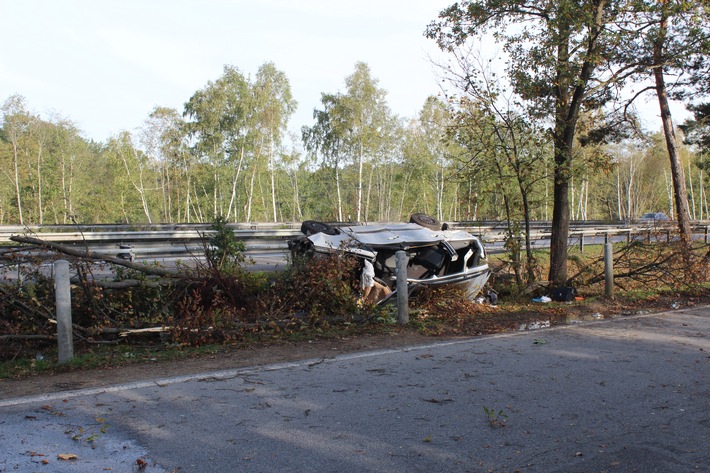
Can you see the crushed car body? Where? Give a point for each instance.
(435, 255)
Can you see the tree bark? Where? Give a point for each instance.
(359, 183)
(566, 116)
(680, 193)
(16, 168)
(560, 209)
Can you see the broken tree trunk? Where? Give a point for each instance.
(88, 254)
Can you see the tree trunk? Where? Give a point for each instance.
(367, 198)
(187, 197)
(440, 190)
(40, 208)
(680, 193)
(560, 222)
(18, 195)
(566, 116)
(618, 195)
(629, 189)
(140, 188)
(692, 190)
(337, 187)
(250, 197)
(273, 180)
(562, 154)
(359, 184)
(234, 185)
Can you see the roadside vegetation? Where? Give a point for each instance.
(220, 305)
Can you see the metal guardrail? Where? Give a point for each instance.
(188, 239)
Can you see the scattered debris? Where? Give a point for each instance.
(538, 324)
(438, 401)
(543, 299)
(563, 294)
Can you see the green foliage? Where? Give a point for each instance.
(495, 418)
(321, 288)
(225, 252)
(352, 129)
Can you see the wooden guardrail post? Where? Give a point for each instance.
(402, 287)
(62, 297)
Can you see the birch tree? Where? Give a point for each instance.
(273, 105)
(219, 117)
(324, 140)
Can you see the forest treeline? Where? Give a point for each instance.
(227, 153)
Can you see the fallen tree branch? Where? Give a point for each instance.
(68, 250)
(21, 305)
(127, 283)
(137, 331)
(27, 337)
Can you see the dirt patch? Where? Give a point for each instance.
(487, 320)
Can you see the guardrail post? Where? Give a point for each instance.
(62, 298)
(581, 242)
(609, 270)
(402, 288)
(706, 234)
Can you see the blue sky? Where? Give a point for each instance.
(106, 64)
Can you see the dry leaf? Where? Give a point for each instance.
(67, 456)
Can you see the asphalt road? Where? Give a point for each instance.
(623, 395)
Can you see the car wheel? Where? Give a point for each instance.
(310, 227)
(425, 220)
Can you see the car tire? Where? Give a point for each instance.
(311, 227)
(426, 221)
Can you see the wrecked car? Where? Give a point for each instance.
(436, 254)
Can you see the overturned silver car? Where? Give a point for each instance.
(436, 254)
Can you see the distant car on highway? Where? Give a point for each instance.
(653, 217)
